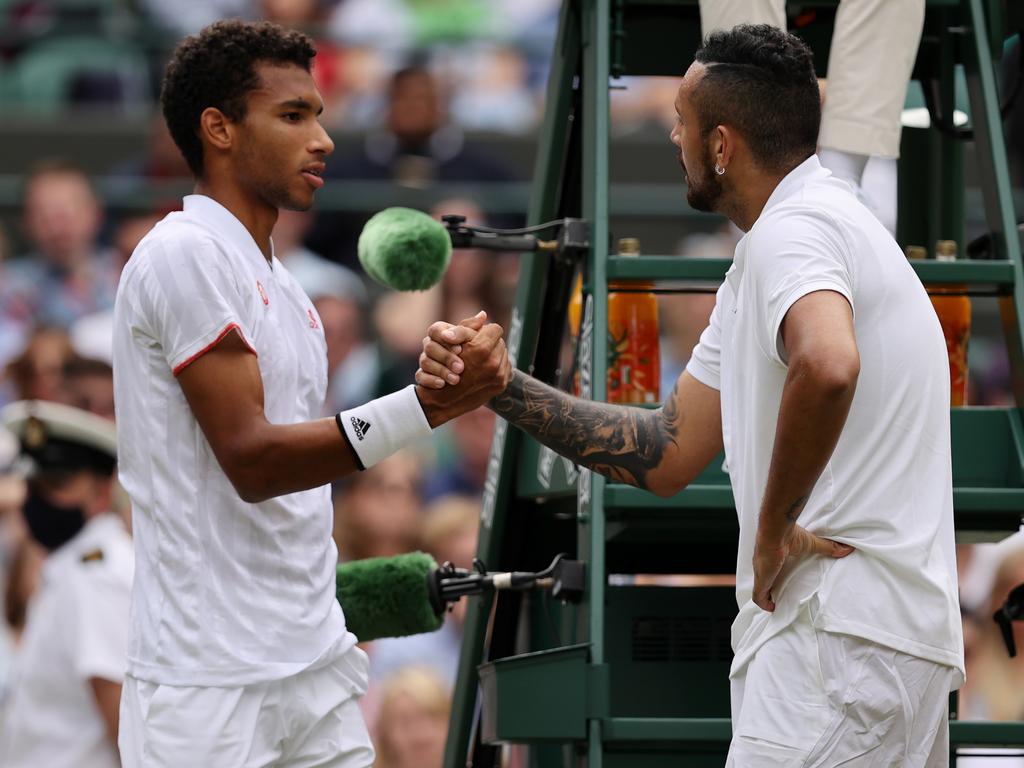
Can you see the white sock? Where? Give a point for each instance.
(879, 184)
(844, 165)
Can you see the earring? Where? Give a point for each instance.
(719, 169)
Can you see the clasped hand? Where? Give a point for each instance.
(472, 355)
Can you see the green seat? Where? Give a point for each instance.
(42, 77)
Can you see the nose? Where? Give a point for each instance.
(673, 135)
(322, 142)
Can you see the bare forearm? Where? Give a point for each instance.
(811, 419)
(275, 459)
(623, 443)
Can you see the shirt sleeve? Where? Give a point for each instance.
(189, 298)
(705, 361)
(798, 254)
(100, 647)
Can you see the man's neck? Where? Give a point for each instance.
(256, 216)
(746, 206)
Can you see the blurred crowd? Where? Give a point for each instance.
(418, 76)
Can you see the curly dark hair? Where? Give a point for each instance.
(761, 81)
(217, 68)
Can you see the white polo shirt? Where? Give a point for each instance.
(226, 593)
(887, 489)
(77, 629)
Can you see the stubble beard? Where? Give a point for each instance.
(702, 194)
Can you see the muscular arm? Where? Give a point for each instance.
(824, 364)
(661, 450)
(224, 389)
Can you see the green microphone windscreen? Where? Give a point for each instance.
(404, 249)
(387, 596)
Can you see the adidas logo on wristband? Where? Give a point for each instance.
(361, 427)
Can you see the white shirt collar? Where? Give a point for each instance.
(793, 181)
(790, 185)
(226, 223)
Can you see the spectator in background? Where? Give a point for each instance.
(412, 723)
(450, 528)
(493, 92)
(37, 373)
(67, 685)
(341, 300)
(187, 17)
(463, 465)
(995, 686)
(89, 385)
(995, 683)
(377, 512)
(68, 274)
(466, 284)
(417, 146)
(159, 170)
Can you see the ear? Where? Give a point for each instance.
(723, 145)
(216, 128)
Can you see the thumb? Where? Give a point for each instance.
(476, 322)
(831, 548)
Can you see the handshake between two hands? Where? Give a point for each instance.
(471, 357)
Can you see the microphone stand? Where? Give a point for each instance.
(571, 241)
(564, 577)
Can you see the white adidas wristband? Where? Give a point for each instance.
(377, 429)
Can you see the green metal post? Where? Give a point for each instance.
(521, 340)
(596, 72)
(994, 175)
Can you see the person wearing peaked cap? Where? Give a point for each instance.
(67, 685)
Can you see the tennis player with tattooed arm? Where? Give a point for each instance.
(823, 374)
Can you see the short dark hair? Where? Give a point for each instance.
(761, 81)
(217, 68)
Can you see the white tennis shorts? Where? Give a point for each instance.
(311, 718)
(814, 699)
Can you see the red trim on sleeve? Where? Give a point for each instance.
(220, 337)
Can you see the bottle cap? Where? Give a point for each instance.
(629, 246)
(945, 250)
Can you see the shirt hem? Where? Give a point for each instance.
(217, 340)
(916, 648)
(703, 374)
(238, 675)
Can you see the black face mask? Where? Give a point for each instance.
(50, 524)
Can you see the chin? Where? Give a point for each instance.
(698, 202)
(296, 203)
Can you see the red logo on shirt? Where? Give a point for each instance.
(263, 293)
(312, 319)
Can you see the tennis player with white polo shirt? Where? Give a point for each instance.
(238, 653)
(823, 374)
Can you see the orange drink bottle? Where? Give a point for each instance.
(953, 307)
(634, 362)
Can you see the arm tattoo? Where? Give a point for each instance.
(796, 508)
(620, 442)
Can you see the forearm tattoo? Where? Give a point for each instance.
(620, 442)
(796, 508)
